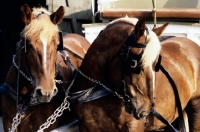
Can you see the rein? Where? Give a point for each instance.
(177, 97)
(178, 102)
(173, 84)
(159, 116)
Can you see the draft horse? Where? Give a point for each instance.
(121, 80)
(41, 72)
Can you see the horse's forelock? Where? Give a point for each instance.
(153, 47)
(40, 27)
(152, 50)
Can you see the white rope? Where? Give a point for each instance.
(154, 10)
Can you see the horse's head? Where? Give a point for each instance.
(130, 53)
(142, 62)
(40, 39)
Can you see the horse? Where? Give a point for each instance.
(122, 81)
(100, 109)
(40, 73)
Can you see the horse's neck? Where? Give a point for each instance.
(80, 83)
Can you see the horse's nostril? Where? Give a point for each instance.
(142, 114)
(38, 92)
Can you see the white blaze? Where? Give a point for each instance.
(44, 41)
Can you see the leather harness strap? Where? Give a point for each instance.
(88, 95)
(161, 118)
(177, 97)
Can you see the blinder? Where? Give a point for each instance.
(60, 45)
(133, 61)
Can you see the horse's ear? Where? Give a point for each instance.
(26, 14)
(57, 16)
(158, 31)
(139, 28)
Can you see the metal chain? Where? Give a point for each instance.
(64, 55)
(17, 119)
(65, 105)
(21, 109)
(28, 78)
(60, 81)
(57, 113)
(98, 82)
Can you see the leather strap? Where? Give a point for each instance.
(9, 91)
(161, 118)
(88, 95)
(177, 98)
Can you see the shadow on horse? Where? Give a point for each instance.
(130, 80)
(41, 71)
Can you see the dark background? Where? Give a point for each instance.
(11, 25)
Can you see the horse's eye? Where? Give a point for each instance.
(134, 63)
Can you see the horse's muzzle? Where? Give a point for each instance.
(129, 108)
(42, 96)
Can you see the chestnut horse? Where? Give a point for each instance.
(41, 71)
(119, 82)
(102, 109)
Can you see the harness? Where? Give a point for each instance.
(88, 95)
(133, 61)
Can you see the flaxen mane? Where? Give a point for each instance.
(41, 26)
